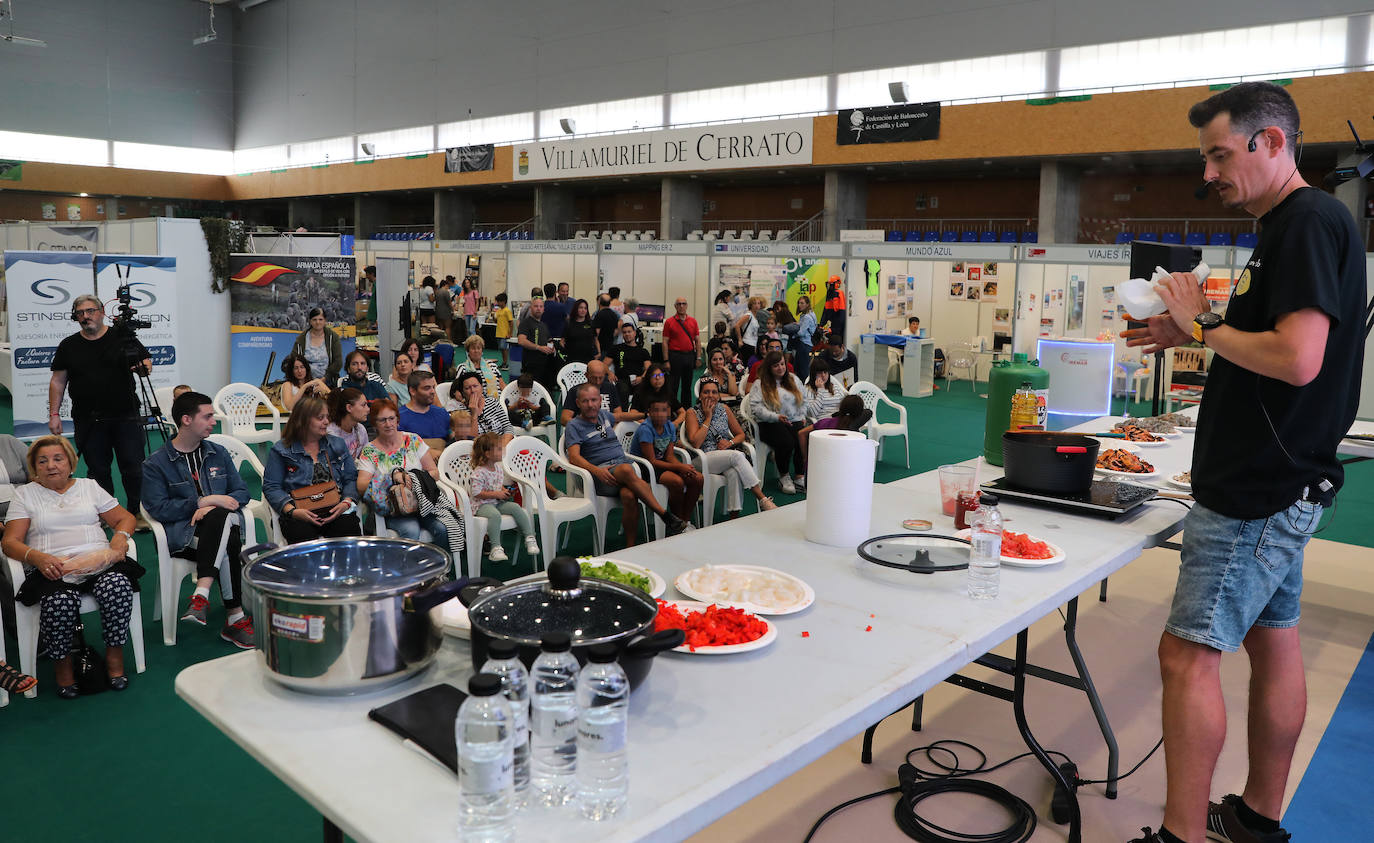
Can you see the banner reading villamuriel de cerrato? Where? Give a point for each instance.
(41, 287)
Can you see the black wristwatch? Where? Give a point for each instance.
(1204, 321)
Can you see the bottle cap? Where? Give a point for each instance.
(1018, 357)
(1026, 384)
(602, 653)
(501, 650)
(556, 642)
(484, 685)
(988, 499)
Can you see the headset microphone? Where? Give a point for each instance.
(1201, 192)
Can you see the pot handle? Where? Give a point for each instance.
(478, 586)
(423, 601)
(1071, 449)
(659, 642)
(247, 556)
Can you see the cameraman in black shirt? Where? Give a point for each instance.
(1281, 392)
(105, 410)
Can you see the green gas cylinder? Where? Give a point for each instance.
(1003, 381)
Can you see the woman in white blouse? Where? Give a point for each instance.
(55, 529)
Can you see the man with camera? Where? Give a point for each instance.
(97, 364)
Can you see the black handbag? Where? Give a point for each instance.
(87, 666)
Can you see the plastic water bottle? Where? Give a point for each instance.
(486, 784)
(503, 661)
(553, 721)
(603, 695)
(985, 552)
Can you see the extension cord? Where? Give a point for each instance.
(1059, 806)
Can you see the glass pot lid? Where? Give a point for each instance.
(589, 610)
(919, 554)
(347, 568)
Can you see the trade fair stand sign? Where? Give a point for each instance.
(41, 287)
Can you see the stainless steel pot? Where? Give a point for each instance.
(342, 616)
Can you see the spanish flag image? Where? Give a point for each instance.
(259, 274)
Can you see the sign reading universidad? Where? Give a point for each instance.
(770, 143)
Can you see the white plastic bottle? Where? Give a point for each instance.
(553, 721)
(985, 552)
(603, 696)
(503, 661)
(486, 783)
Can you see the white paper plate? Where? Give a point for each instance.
(1138, 475)
(1179, 484)
(809, 594)
(657, 585)
(456, 619)
(1018, 562)
(1119, 444)
(1159, 444)
(759, 643)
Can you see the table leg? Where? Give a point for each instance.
(332, 833)
(1102, 591)
(1070, 639)
(1018, 705)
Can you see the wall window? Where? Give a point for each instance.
(173, 159)
(989, 77)
(737, 102)
(505, 128)
(1204, 57)
(260, 158)
(328, 151)
(615, 116)
(54, 149)
(410, 141)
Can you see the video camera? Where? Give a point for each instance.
(126, 319)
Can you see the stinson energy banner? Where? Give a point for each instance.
(41, 287)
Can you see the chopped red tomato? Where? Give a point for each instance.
(717, 626)
(1022, 546)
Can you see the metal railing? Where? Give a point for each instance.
(1110, 231)
(959, 225)
(501, 230)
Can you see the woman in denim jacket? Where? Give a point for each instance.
(307, 455)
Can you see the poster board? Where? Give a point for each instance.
(269, 297)
(41, 287)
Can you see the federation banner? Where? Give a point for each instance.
(270, 297)
(41, 287)
(470, 159)
(152, 296)
(915, 121)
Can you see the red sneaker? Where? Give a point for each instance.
(196, 611)
(239, 633)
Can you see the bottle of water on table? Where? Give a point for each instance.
(985, 550)
(553, 721)
(486, 784)
(603, 695)
(503, 661)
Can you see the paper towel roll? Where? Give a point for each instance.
(839, 487)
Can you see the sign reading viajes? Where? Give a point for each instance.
(915, 121)
(470, 159)
(41, 287)
(152, 281)
(270, 297)
(770, 143)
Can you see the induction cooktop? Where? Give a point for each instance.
(1106, 498)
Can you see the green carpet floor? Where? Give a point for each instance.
(141, 765)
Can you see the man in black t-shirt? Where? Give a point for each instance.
(1281, 391)
(536, 343)
(611, 400)
(630, 358)
(105, 412)
(606, 322)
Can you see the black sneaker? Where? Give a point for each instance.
(675, 526)
(1224, 825)
(1149, 837)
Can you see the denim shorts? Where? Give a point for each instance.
(1238, 573)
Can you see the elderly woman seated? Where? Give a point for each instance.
(55, 529)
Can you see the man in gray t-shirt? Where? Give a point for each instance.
(592, 445)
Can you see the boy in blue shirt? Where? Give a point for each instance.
(654, 440)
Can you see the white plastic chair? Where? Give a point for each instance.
(626, 432)
(526, 460)
(548, 431)
(729, 234)
(26, 620)
(237, 406)
(442, 392)
(163, 396)
(455, 472)
(878, 431)
(960, 356)
(171, 570)
(568, 378)
(607, 504)
(712, 484)
(766, 234)
(762, 452)
(258, 508)
(694, 235)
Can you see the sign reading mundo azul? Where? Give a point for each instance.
(770, 143)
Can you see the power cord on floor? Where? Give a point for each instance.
(917, 784)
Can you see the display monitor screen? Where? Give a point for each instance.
(650, 312)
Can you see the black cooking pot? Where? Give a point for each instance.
(592, 611)
(1037, 461)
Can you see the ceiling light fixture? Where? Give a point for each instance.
(7, 11)
(898, 91)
